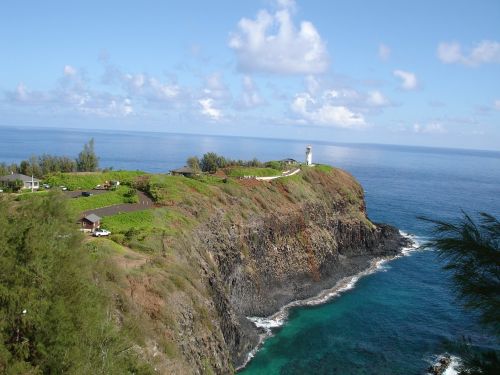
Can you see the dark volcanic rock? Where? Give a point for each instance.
(280, 257)
(440, 366)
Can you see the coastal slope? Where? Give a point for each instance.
(221, 250)
(175, 282)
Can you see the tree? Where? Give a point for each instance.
(209, 162)
(54, 312)
(87, 160)
(194, 163)
(471, 250)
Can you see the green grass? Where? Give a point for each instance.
(140, 220)
(29, 195)
(323, 168)
(252, 171)
(89, 180)
(110, 198)
(169, 189)
(160, 220)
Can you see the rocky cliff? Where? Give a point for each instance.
(282, 256)
(235, 249)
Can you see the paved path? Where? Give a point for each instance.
(284, 174)
(78, 193)
(144, 203)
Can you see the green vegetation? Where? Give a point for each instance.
(121, 195)
(108, 305)
(170, 189)
(471, 250)
(12, 186)
(56, 297)
(41, 166)
(249, 171)
(87, 160)
(323, 168)
(146, 221)
(89, 180)
(121, 223)
(210, 162)
(194, 163)
(30, 195)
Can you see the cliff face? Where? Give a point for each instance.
(284, 256)
(247, 249)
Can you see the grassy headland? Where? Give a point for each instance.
(144, 296)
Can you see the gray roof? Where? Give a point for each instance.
(18, 176)
(184, 169)
(93, 218)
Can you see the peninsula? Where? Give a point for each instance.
(180, 275)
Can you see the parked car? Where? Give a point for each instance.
(86, 194)
(63, 188)
(46, 186)
(101, 233)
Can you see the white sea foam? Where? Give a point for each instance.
(278, 319)
(452, 368)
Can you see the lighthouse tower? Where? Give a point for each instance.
(309, 155)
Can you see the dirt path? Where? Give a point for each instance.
(144, 203)
(284, 174)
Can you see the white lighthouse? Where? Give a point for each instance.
(309, 155)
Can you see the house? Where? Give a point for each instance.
(27, 181)
(289, 161)
(90, 222)
(184, 171)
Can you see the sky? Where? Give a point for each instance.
(384, 71)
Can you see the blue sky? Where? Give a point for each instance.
(420, 73)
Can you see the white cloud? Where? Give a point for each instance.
(69, 70)
(215, 87)
(250, 97)
(377, 99)
(149, 87)
(496, 104)
(408, 79)
(273, 44)
(484, 52)
(324, 112)
(113, 107)
(208, 109)
(430, 128)
(312, 84)
(72, 94)
(23, 95)
(384, 52)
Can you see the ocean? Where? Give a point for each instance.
(395, 320)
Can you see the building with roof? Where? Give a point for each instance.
(90, 222)
(184, 171)
(289, 161)
(28, 182)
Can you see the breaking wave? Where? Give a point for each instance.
(279, 318)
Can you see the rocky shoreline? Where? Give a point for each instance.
(323, 291)
(288, 260)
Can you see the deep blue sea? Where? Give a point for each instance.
(393, 321)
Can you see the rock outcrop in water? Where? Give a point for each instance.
(239, 249)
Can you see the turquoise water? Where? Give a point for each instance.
(393, 321)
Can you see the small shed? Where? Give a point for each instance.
(184, 171)
(90, 222)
